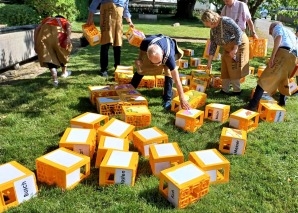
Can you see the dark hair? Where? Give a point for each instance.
(59, 16)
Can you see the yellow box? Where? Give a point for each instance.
(188, 52)
(217, 112)
(122, 87)
(109, 106)
(183, 184)
(125, 78)
(216, 81)
(123, 93)
(92, 34)
(244, 119)
(194, 62)
(147, 81)
(183, 63)
(133, 100)
(100, 91)
(189, 120)
(271, 112)
(143, 138)
(202, 75)
(251, 70)
(135, 37)
(163, 156)
(116, 128)
(62, 167)
(260, 70)
(213, 163)
(206, 51)
(198, 85)
(292, 86)
(232, 141)
(185, 79)
(17, 184)
(107, 142)
(195, 98)
(118, 167)
(82, 141)
(89, 120)
(138, 115)
(159, 80)
(122, 70)
(258, 47)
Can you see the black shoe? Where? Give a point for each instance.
(250, 108)
(223, 92)
(282, 101)
(104, 73)
(236, 93)
(167, 105)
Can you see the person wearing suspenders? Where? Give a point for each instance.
(282, 63)
(235, 50)
(158, 54)
(239, 12)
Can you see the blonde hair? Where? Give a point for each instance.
(210, 16)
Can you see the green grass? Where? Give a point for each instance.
(188, 28)
(34, 116)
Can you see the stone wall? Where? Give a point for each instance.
(16, 45)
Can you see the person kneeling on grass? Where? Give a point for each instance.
(159, 53)
(280, 67)
(53, 45)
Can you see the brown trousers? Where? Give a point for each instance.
(277, 77)
(48, 48)
(231, 69)
(111, 27)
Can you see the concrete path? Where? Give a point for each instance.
(262, 29)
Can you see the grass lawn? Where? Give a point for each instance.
(34, 116)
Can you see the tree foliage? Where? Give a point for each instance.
(288, 8)
(66, 8)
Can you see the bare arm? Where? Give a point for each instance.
(252, 28)
(277, 41)
(183, 103)
(90, 18)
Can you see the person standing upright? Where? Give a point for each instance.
(239, 12)
(111, 13)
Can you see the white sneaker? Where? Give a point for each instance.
(66, 74)
(55, 83)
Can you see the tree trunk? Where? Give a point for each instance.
(185, 9)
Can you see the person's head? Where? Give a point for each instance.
(210, 18)
(272, 25)
(155, 54)
(59, 16)
(229, 2)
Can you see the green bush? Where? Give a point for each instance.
(66, 8)
(18, 14)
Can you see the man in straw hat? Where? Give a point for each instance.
(111, 28)
(280, 66)
(159, 54)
